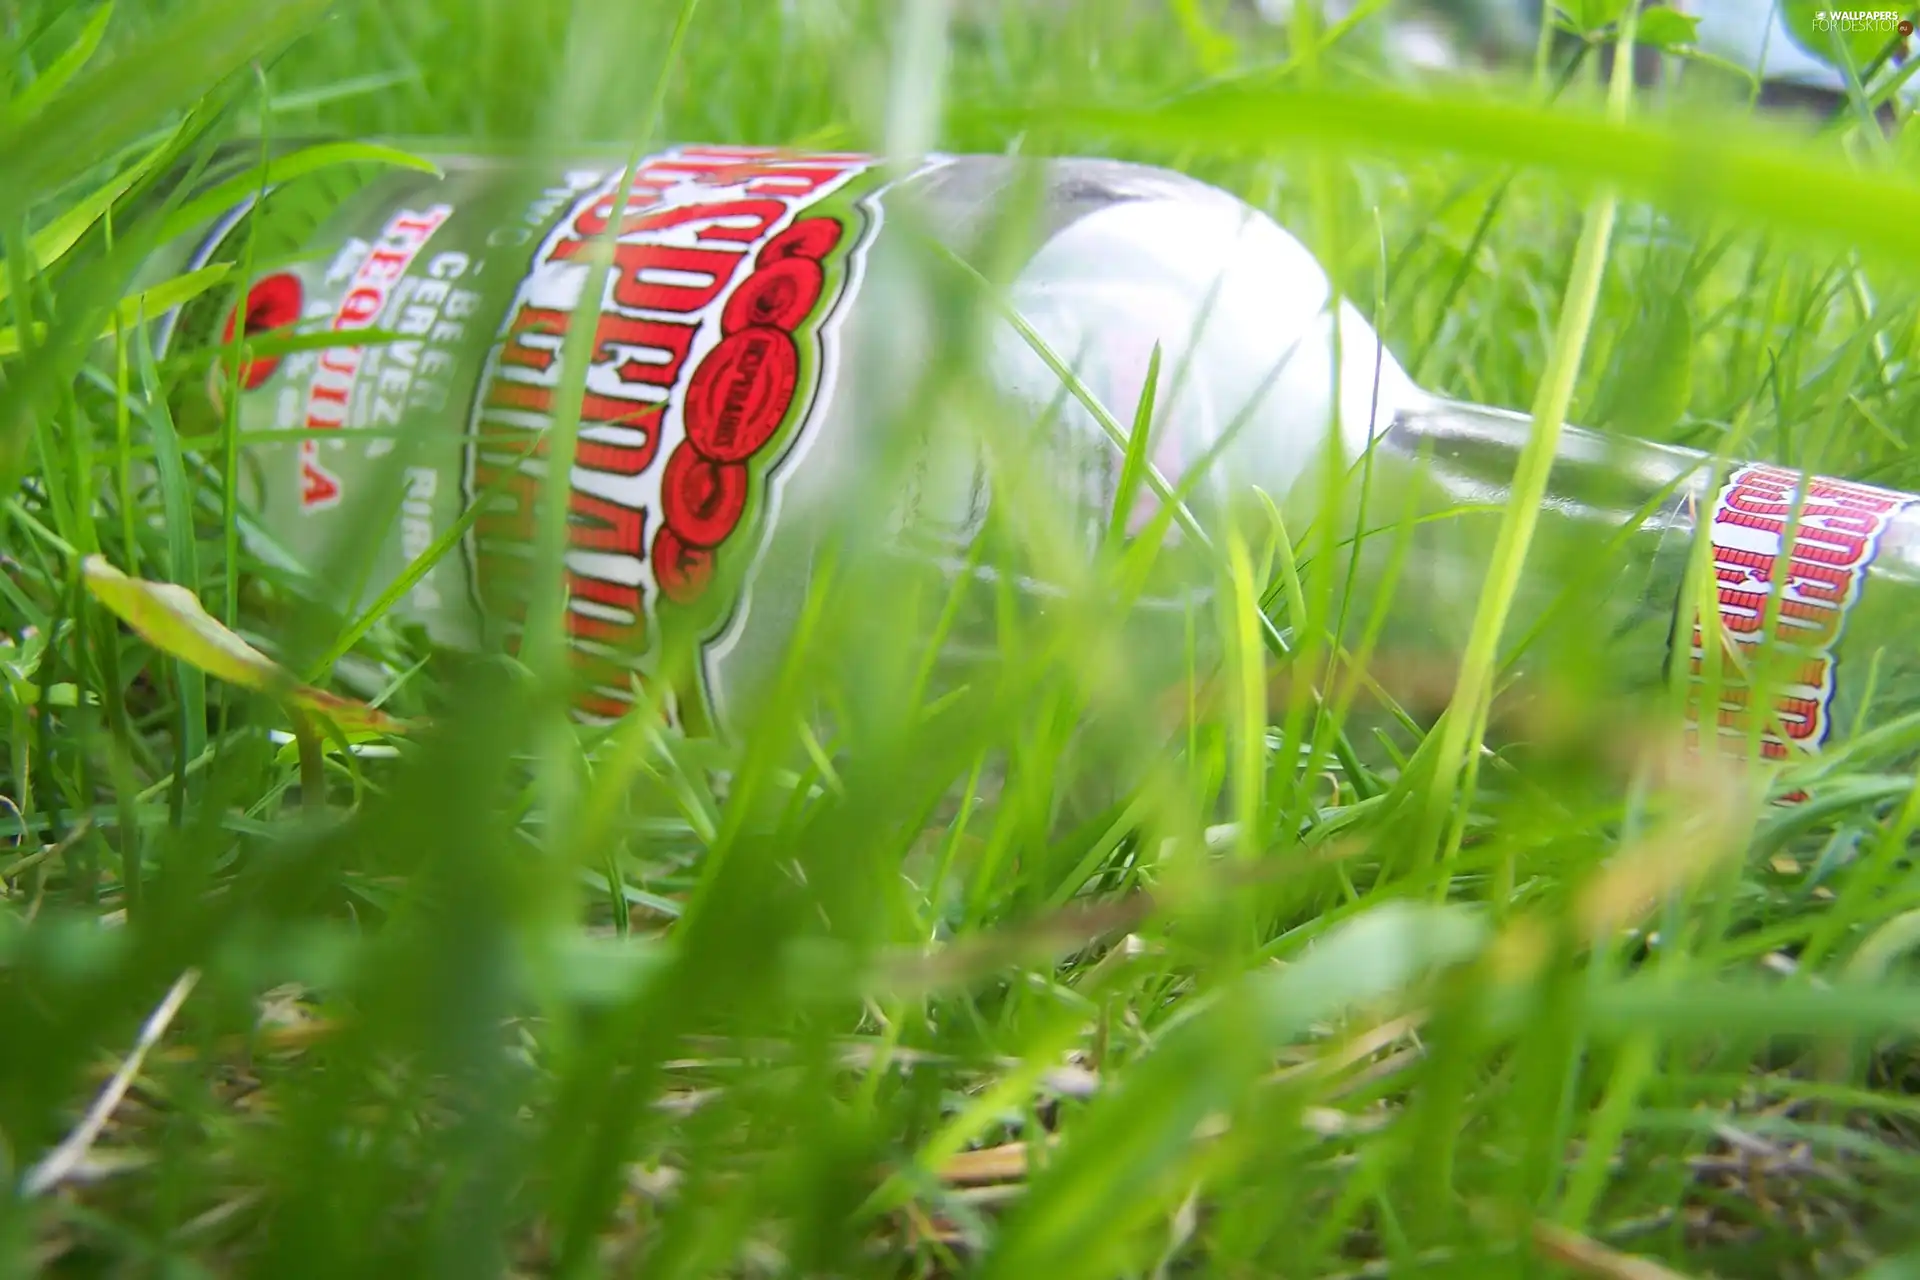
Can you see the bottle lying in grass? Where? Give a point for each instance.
(771, 333)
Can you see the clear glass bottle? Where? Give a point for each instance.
(769, 330)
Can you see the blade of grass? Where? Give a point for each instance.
(1464, 723)
(26, 105)
(182, 562)
(1762, 179)
(114, 102)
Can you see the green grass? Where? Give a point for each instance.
(1055, 977)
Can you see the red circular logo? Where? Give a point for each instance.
(702, 499)
(779, 295)
(682, 571)
(808, 238)
(273, 303)
(739, 395)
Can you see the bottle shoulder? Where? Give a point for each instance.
(964, 192)
(1255, 369)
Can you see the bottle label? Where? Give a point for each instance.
(711, 358)
(1819, 579)
(710, 364)
(370, 294)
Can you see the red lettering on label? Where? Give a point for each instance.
(612, 334)
(1795, 709)
(384, 266)
(603, 706)
(605, 675)
(699, 162)
(737, 276)
(618, 457)
(595, 409)
(614, 595)
(672, 340)
(1820, 515)
(626, 634)
(368, 293)
(1743, 612)
(1765, 524)
(596, 455)
(634, 291)
(1829, 546)
(318, 486)
(1839, 519)
(1811, 672)
(1804, 577)
(359, 308)
(1733, 740)
(598, 630)
(1823, 489)
(508, 515)
(1734, 725)
(327, 398)
(1801, 717)
(592, 221)
(1825, 567)
(600, 524)
(593, 523)
(717, 222)
(417, 227)
(536, 320)
(788, 181)
(340, 360)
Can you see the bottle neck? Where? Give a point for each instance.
(1470, 453)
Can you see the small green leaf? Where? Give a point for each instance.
(1666, 28)
(1586, 17)
(21, 657)
(171, 618)
(61, 695)
(1832, 41)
